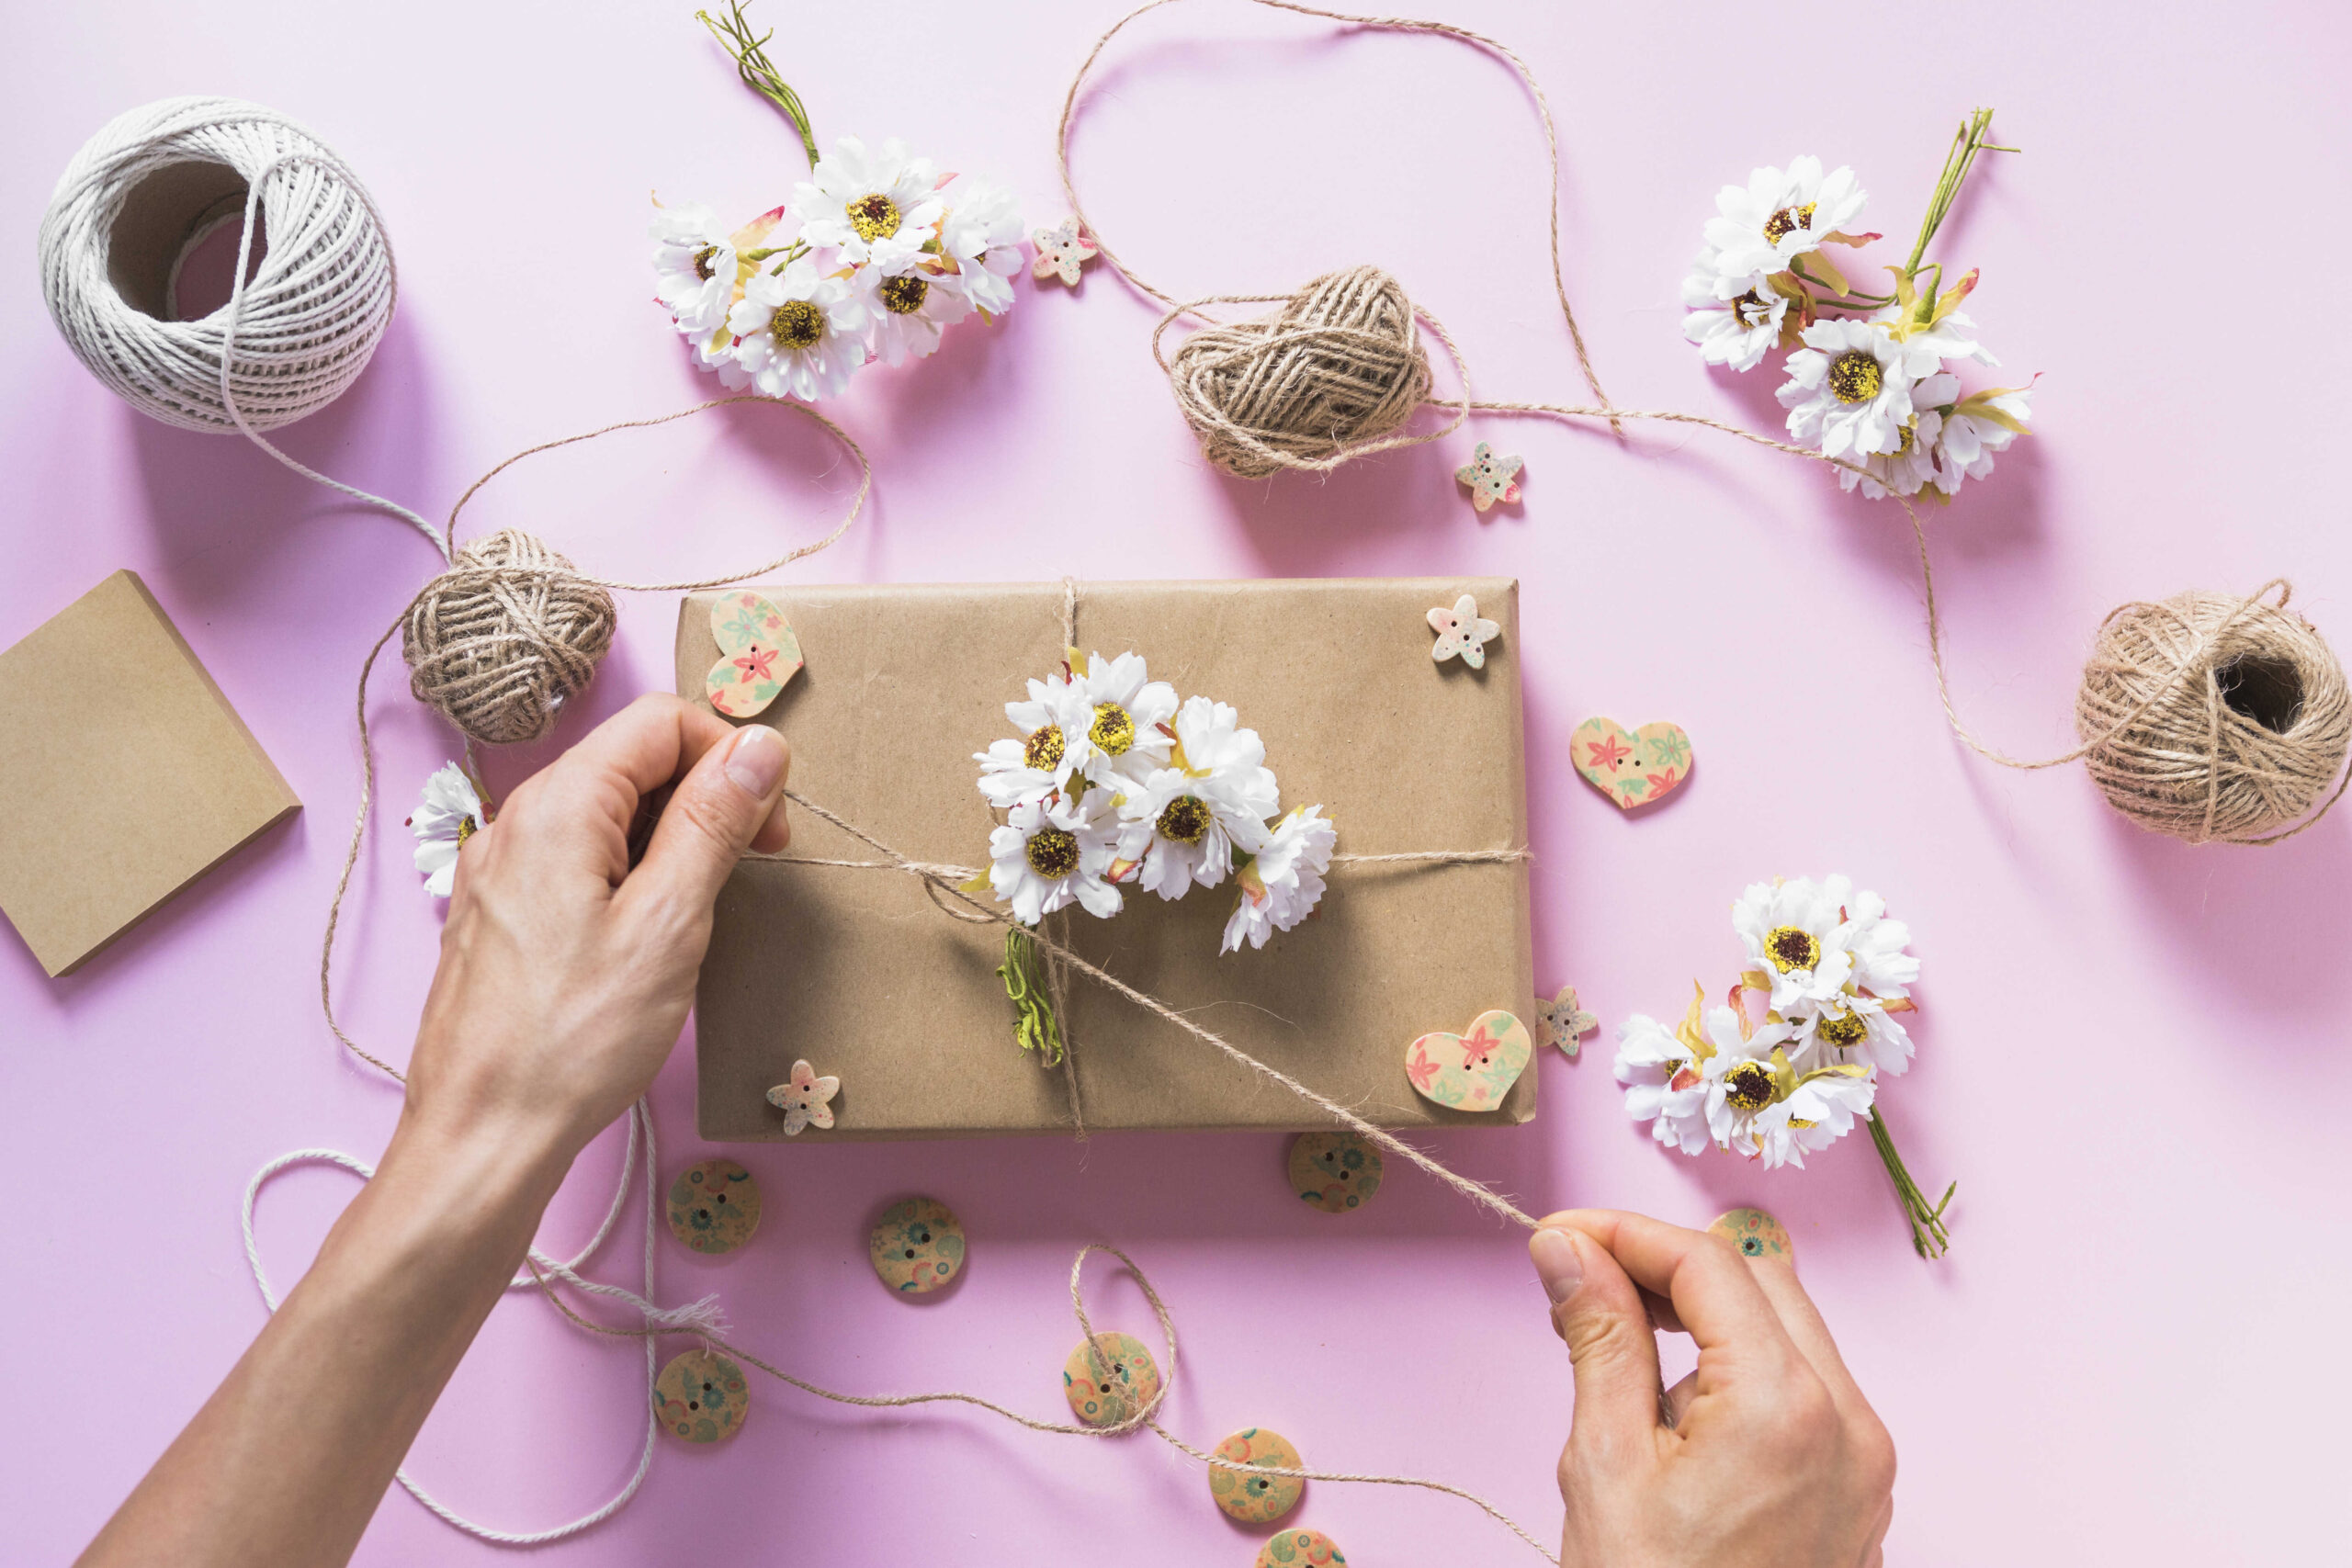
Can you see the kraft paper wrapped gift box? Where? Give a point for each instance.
(858, 972)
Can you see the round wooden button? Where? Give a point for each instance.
(1298, 1549)
(713, 1206)
(1108, 1378)
(1334, 1172)
(917, 1246)
(701, 1396)
(1250, 1498)
(1755, 1234)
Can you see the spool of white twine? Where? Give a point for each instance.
(145, 192)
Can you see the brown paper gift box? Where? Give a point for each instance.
(855, 970)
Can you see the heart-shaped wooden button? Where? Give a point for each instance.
(1474, 1070)
(1631, 767)
(757, 654)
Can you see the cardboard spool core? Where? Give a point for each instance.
(2268, 691)
(166, 214)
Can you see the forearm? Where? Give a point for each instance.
(285, 1463)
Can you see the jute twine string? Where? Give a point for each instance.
(1336, 371)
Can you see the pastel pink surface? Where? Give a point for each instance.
(2085, 1356)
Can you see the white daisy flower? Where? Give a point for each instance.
(1283, 884)
(910, 301)
(869, 205)
(1979, 425)
(1176, 836)
(1818, 1111)
(1734, 320)
(1849, 389)
(451, 812)
(1052, 853)
(1791, 930)
(1128, 736)
(1916, 460)
(694, 267)
(797, 334)
(1039, 761)
(981, 235)
(1848, 1029)
(1740, 1076)
(1778, 216)
(1663, 1084)
(1883, 967)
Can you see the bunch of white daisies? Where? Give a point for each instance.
(1874, 379)
(885, 255)
(1836, 972)
(1112, 783)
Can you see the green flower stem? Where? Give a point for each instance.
(751, 63)
(1927, 1235)
(1970, 138)
(1034, 1024)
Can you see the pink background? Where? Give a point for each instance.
(2131, 1049)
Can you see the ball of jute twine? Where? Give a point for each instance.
(1338, 367)
(2211, 716)
(499, 642)
(143, 192)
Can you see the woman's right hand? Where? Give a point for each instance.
(1774, 1457)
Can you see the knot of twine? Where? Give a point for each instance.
(146, 190)
(1309, 385)
(2213, 717)
(499, 642)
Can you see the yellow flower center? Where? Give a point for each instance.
(1749, 1086)
(904, 296)
(1788, 220)
(1114, 729)
(1855, 377)
(1791, 948)
(466, 830)
(1843, 1028)
(703, 269)
(873, 216)
(1052, 853)
(1800, 1123)
(1905, 438)
(1185, 819)
(1044, 748)
(797, 324)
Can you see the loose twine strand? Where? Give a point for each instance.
(1333, 375)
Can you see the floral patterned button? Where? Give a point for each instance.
(1298, 1549)
(1334, 1172)
(917, 1246)
(713, 1206)
(1108, 1378)
(1252, 1498)
(701, 1397)
(1755, 1234)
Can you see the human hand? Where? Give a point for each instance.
(566, 974)
(1774, 1456)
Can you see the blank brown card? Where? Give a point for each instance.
(125, 773)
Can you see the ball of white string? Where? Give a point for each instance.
(144, 191)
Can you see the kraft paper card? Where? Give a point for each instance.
(126, 773)
(857, 973)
